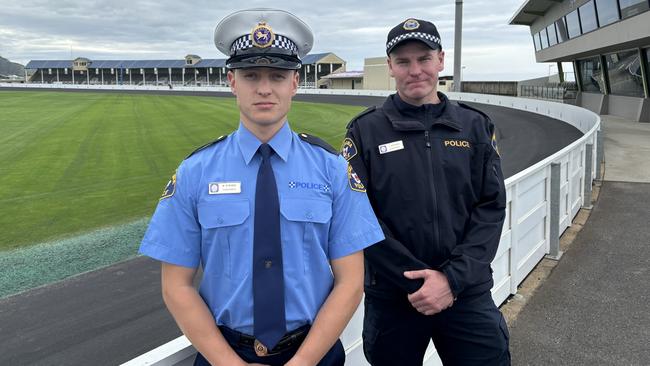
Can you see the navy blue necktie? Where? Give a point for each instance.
(268, 278)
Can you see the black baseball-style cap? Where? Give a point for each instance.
(413, 30)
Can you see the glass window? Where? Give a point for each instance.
(624, 73)
(538, 46)
(552, 36)
(573, 24)
(632, 7)
(591, 75)
(588, 17)
(607, 12)
(562, 35)
(544, 37)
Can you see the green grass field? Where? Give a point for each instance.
(75, 162)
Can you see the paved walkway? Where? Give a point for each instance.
(594, 307)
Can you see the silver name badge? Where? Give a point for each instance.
(391, 146)
(224, 188)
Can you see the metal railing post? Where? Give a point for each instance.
(589, 156)
(600, 154)
(554, 251)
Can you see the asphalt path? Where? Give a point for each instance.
(593, 308)
(114, 314)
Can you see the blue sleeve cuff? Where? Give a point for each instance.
(355, 243)
(169, 255)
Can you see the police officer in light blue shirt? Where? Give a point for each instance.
(277, 220)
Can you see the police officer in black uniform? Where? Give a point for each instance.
(432, 172)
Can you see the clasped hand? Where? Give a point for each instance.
(435, 294)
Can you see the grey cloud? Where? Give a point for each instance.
(38, 29)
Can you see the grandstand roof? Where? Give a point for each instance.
(148, 64)
(313, 58)
(125, 64)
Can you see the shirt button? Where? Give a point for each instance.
(268, 264)
(309, 215)
(220, 220)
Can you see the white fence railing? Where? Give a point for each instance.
(530, 219)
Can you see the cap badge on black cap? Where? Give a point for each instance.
(411, 24)
(262, 61)
(262, 35)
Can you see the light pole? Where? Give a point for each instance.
(457, 44)
(460, 84)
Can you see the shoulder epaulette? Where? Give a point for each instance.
(318, 142)
(219, 139)
(370, 109)
(466, 106)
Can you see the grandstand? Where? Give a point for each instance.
(191, 71)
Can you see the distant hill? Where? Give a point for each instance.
(10, 68)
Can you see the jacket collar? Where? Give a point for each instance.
(393, 109)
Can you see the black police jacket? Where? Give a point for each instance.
(436, 186)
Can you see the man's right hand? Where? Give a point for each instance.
(435, 294)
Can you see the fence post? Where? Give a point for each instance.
(600, 149)
(554, 251)
(589, 156)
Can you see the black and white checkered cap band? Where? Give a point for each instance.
(245, 42)
(420, 35)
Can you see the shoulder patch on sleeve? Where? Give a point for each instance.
(466, 106)
(368, 110)
(348, 149)
(494, 143)
(170, 188)
(219, 139)
(355, 182)
(318, 142)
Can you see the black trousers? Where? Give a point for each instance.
(334, 357)
(471, 332)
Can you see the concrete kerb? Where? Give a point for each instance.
(516, 303)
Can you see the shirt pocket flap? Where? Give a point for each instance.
(223, 213)
(306, 210)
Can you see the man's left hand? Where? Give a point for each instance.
(435, 294)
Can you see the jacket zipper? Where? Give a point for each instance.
(436, 234)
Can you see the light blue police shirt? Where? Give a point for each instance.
(208, 219)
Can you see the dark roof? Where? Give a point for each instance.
(48, 64)
(149, 64)
(125, 64)
(313, 58)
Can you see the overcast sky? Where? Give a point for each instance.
(166, 29)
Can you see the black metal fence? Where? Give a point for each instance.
(558, 91)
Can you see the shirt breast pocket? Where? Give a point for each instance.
(226, 245)
(306, 232)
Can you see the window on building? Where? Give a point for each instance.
(624, 73)
(189, 61)
(607, 12)
(562, 35)
(591, 75)
(552, 35)
(588, 17)
(538, 46)
(544, 38)
(573, 24)
(632, 7)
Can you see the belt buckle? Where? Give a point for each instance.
(260, 349)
